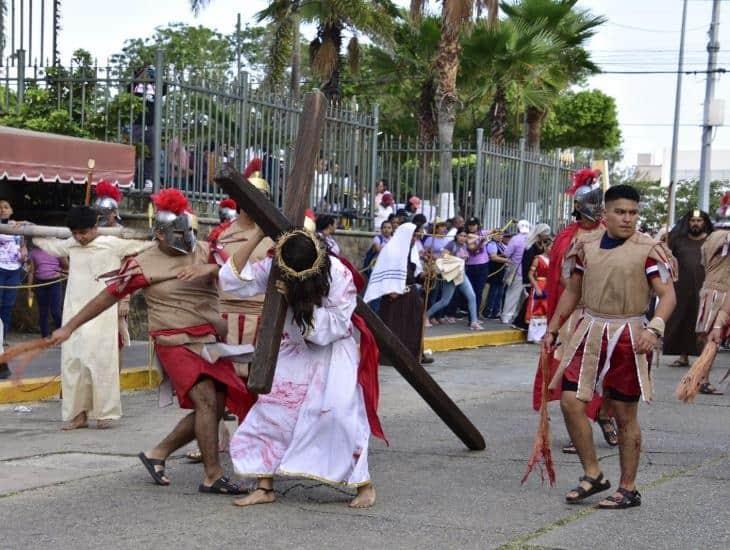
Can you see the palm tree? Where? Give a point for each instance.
(334, 19)
(456, 16)
(508, 60)
(572, 27)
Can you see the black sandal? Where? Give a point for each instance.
(628, 499)
(609, 431)
(570, 449)
(222, 486)
(598, 484)
(709, 389)
(157, 475)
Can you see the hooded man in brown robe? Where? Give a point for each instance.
(685, 241)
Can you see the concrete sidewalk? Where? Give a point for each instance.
(86, 489)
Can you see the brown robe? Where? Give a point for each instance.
(616, 293)
(680, 337)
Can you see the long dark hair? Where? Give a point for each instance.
(300, 253)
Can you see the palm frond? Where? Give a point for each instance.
(196, 6)
(325, 57)
(353, 55)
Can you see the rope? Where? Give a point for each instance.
(36, 285)
(43, 385)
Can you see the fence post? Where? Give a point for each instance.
(243, 120)
(521, 180)
(479, 177)
(374, 165)
(556, 192)
(157, 119)
(21, 77)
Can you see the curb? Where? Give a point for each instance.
(474, 339)
(141, 378)
(49, 387)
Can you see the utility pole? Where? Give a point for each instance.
(713, 47)
(675, 135)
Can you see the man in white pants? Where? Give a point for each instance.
(515, 291)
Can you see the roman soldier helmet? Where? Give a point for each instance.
(227, 210)
(252, 173)
(108, 197)
(174, 219)
(587, 194)
(722, 214)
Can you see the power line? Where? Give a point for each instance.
(718, 71)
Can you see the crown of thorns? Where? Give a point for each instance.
(291, 273)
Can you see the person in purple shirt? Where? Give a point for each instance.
(513, 279)
(47, 270)
(436, 242)
(477, 265)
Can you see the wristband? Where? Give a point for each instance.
(657, 325)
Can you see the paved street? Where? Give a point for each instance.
(86, 489)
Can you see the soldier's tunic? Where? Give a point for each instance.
(616, 292)
(183, 318)
(714, 290)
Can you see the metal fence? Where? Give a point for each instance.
(184, 125)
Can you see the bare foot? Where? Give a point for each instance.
(77, 422)
(365, 497)
(103, 424)
(257, 496)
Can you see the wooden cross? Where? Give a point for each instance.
(274, 223)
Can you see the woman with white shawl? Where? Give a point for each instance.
(393, 283)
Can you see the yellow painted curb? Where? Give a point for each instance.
(139, 378)
(38, 389)
(474, 339)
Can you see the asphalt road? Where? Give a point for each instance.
(86, 489)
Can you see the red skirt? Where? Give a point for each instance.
(185, 368)
(622, 376)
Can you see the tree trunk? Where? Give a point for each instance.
(296, 60)
(535, 118)
(499, 116)
(447, 66)
(427, 124)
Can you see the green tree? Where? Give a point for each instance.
(585, 119)
(333, 19)
(572, 28)
(654, 198)
(508, 61)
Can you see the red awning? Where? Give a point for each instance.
(37, 156)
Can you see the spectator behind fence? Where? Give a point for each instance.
(46, 272)
(383, 210)
(12, 257)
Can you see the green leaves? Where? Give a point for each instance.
(584, 119)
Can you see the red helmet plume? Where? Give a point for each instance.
(725, 200)
(228, 203)
(582, 177)
(253, 166)
(107, 189)
(171, 200)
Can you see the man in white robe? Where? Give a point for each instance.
(317, 420)
(90, 358)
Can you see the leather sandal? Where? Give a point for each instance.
(628, 499)
(597, 484)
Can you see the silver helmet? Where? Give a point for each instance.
(587, 194)
(173, 220)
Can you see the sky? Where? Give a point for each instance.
(641, 35)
